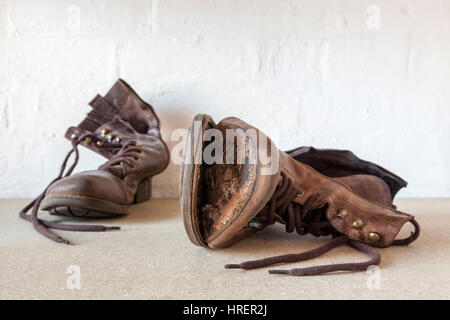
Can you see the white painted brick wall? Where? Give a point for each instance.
(310, 72)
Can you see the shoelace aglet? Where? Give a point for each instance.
(279, 271)
(112, 228)
(62, 240)
(233, 266)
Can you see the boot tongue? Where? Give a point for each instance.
(102, 112)
(133, 109)
(118, 94)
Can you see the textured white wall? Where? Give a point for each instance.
(323, 73)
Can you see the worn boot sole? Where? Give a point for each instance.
(83, 207)
(189, 180)
(244, 204)
(94, 208)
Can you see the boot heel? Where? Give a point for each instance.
(144, 191)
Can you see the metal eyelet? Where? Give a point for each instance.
(374, 237)
(109, 137)
(357, 224)
(341, 213)
(103, 132)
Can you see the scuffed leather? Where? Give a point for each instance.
(376, 217)
(121, 101)
(368, 187)
(341, 180)
(344, 163)
(93, 184)
(122, 114)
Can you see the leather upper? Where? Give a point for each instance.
(121, 101)
(119, 119)
(375, 217)
(344, 163)
(93, 184)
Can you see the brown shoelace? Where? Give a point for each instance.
(304, 220)
(128, 153)
(43, 226)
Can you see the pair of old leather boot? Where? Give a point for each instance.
(234, 182)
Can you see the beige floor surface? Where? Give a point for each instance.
(151, 258)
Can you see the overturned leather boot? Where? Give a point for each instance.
(125, 130)
(321, 192)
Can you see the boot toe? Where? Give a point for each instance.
(87, 191)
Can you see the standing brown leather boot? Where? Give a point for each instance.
(343, 197)
(124, 129)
